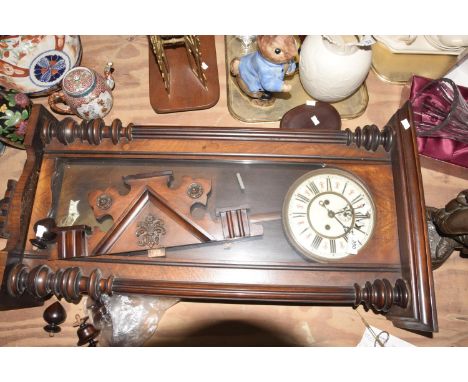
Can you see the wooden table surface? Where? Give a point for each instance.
(221, 324)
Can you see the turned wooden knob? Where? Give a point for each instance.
(45, 233)
(54, 315)
(371, 137)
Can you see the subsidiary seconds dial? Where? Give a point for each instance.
(328, 214)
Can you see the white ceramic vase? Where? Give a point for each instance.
(332, 68)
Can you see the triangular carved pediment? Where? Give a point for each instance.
(155, 215)
(149, 224)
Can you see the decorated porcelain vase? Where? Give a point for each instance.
(331, 68)
(84, 93)
(36, 64)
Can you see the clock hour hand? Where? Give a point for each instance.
(323, 204)
(332, 214)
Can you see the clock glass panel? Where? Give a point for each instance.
(266, 187)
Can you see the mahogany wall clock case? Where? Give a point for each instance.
(222, 214)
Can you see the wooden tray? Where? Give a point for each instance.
(187, 93)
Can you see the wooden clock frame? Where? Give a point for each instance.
(399, 285)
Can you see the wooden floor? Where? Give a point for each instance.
(208, 324)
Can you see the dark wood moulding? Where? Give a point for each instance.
(93, 132)
(71, 284)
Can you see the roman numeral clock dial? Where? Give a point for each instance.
(328, 214)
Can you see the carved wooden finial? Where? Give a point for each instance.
(381, 295)
(69, 283)
(371, 137)
(93, 132)
(54, 315)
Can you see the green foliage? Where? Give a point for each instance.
(12, 118)
(11, 99)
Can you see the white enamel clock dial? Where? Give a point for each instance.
(328, 214)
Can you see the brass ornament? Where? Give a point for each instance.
(103, 202)
(195, 190)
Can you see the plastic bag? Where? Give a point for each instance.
(128, 320)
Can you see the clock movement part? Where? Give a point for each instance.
(86, 332)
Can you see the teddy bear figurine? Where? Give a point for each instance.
(261, 73)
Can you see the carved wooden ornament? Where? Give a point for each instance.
(155, 215)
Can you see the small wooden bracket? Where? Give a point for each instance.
(235, 222)
(72, 242)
